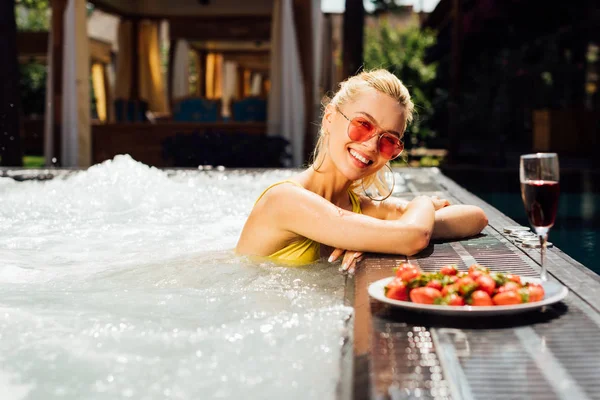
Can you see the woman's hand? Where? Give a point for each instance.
(439, 203)
(351, 258)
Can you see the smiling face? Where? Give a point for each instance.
(354, 159)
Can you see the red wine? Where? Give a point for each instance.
(541, 202)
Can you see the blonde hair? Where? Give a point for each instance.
(383, 81)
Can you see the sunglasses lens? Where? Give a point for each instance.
(360, 130)
(390, 146)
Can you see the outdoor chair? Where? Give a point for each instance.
(250, 109)
(196, 109)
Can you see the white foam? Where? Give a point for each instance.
(120, 281)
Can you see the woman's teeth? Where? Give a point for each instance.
(359, 157)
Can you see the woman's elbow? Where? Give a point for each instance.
(481, 220)
(419, 241)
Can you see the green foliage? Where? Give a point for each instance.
(32, 15)
(32, 86)
(34, 4)
(381, 6)
(403, 53)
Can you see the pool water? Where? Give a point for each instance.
(120, 282)
(576, 230)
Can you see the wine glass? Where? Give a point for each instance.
(539, 174)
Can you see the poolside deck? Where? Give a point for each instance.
(553, 353)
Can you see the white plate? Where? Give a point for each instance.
(554, 292)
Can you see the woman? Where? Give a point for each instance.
(361, 131)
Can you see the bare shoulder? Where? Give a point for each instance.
(264, 231)
(279, 196)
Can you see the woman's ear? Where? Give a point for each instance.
(328, 115)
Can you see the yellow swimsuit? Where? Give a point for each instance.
(304, 251)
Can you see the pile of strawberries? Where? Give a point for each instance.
(478, 287)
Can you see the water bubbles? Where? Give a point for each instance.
(110, 243)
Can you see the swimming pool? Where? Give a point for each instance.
(577, 227)
(120, 282)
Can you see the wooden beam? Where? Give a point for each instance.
(100, 51)
(352, 47)
(58, 27)
(217, 28)
(35, 45)
(134, 93)
(230, 54)
(256, 62)
(10, 102)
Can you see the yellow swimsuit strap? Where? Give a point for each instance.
(275, 184)
(355, 200)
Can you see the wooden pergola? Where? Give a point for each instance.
(203, 24)
(33, 45)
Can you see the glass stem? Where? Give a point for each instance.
(543, 240)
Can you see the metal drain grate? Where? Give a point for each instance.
(436, 256)
(494, 364)
(405, 364)
(497, 256)
(487, 250)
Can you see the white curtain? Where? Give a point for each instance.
(286, 114)
(76, 138)
(256, 86)
(181, 70)
(151, 83)
(229, 86)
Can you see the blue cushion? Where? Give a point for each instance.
(196, 109)
(250, 109)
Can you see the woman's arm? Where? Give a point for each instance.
(307, 214)
(458, 221)
(451, 221)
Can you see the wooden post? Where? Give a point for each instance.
(171, 73)
(109, 97)
(453, 106)
(134, 89)
(10, 102)
(202, 57)
(352, 47)
(304, 36)
(82, 85)
(58, 39)
(240, 82)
